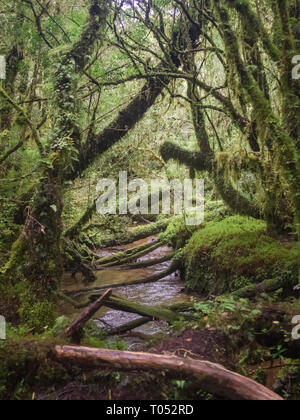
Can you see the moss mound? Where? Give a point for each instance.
(27, 365)
(233, 253)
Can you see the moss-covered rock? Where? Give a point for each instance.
(236, 252)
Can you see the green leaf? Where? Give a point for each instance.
(54, 208)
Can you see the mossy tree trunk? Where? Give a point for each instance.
(272, 133)
(13, 59)
(38, 253)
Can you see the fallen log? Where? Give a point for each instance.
(123, 254)
(182, 307)
(149, 263)
(153, 312)
(75, 329)
(71, 301)
(168, 314)
(156, 277)
(137, 234)
(134, 256)
(129, 326)
(253, 290)
(211, 377)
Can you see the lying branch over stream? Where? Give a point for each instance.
(210, 377)
(169, 313)
(149, 263)
(129, 326)
(138, 233)
(129, 255)
(155, 312)
(152, 279)
(75, 329)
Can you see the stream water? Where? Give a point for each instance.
(164, 292)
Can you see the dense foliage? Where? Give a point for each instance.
(161, 89)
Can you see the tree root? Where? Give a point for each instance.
(74, 262)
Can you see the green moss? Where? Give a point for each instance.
(288, 380)
(60, 325)
(39, 316)
(27, 366)
(178, 232)
(236, 252)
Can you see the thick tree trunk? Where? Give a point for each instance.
(39, 249)
(13, 60)
(211, 377)
(97, 144)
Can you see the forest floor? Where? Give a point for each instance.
(215, 341)
(250, 338)
(209, 344)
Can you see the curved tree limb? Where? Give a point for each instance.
(210, 377)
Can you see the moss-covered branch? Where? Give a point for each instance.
(255, 26)
(282, 146)
(22, 112)
(195, 160)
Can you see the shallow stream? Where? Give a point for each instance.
(163, 292)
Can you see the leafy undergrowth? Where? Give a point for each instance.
(235, 252)
(261, 337)
(29, 370)
(251, 338)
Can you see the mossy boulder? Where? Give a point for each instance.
(234, 253)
